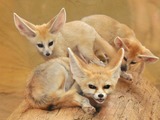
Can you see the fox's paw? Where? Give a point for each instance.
(103, 58)
(89, 110)
(100, 63)
(127, 76)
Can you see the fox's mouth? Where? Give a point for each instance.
(99, 101)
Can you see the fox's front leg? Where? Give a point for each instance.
(126, 75)
(88, 53)
(102, 56)
(73, 99)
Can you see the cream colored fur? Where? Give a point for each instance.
(120, 36)
(77, 35)
(58, 83)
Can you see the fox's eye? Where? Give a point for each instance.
(125, 59)
(50, 43)
(92, 86)
(40, 45)
(133, 62)
(106, 86)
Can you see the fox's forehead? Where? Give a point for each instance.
(43, 32)
(100, 76)
(135, 49)
(100, 81)
(99, 72)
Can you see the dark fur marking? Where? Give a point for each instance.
(50, 107)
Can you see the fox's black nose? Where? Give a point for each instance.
(100, 95)
(48, 54)
(124, 68)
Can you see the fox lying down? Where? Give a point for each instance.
(69, 82)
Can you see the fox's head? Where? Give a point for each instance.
(135, 52)
(96, 82)
(42, 36)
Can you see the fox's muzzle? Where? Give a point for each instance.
(48, 54)
(124, 68)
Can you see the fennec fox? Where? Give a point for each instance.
(109, 29)
(53, 39)
(58, 83)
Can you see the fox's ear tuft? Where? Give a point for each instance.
(24, 27)
(58, 21)
(76, 68)
(119, 43)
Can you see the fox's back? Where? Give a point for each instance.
(77, 32)
(43, 74)
(47, 78)
(108, 27)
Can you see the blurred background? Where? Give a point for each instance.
(18, 57)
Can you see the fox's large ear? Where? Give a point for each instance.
(148, 56)
(115, 64)
(25, 28)
(76, 68)
(50, 23)
(57, 22)
(119, 43)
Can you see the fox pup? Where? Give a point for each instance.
(109, 29)
(53, 39)
(58, 83)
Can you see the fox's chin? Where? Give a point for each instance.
(99, 101)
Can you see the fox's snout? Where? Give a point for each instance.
(124, 67)
(47, 54)
(100, 95)
(44, 49)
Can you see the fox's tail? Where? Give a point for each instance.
(38, 101)
(34, 98)
(23, 107)
(103, 45)
(43, 101)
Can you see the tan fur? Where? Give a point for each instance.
(76, 35)
(53, 82)
(42, 31)
(109, 29)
